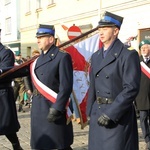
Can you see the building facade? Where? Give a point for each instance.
(136, 26)
(26, 15)
(10, 23)
(55, 12)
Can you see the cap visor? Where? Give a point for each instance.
(41, 35)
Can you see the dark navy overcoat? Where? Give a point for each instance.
(117, 76)
(8, 114)
(143, 97)
(54, 69)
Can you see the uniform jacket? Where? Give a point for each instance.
(143, 98)
(117, 76)
(8, 115)
(55, 70)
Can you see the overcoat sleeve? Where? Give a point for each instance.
(66, 82)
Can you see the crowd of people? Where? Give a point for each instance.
(119, 82)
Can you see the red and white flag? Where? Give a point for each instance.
(64, 27)
(81, 54)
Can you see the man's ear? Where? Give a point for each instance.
(51, 39)
(116, 31)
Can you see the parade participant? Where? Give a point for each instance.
(143, 98)
(114, 84)
(54, 69)
(9, 124)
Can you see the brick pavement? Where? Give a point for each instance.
(80, 136)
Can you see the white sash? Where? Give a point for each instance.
(48, 93)
(145, 69)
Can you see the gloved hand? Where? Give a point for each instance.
(54, 115)
(103, 120)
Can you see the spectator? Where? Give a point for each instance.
(27, 82)
(143, 98)
(19, 87)
(35, 53)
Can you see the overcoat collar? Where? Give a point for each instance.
(44, 58)
(110, 57)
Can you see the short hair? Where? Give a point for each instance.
(35, 52)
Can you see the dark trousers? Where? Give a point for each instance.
(68, 148)
(145, 124)
(12, 138)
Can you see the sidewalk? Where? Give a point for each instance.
(80, 136)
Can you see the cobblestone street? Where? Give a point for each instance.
(80, 136)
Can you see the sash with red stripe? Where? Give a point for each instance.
(145, 69)
(48, 93)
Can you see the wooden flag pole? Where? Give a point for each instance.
(23, 65)
(79, 111)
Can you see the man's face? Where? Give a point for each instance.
(17, 57)
(45, 42)
(108, 34)
(145, 50)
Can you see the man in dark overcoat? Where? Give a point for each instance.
(143, 98)
(54, 71)
(114, 84)
(9, 124)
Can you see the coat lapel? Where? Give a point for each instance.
(110, 57)
(49, 56)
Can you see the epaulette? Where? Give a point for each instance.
(63, 51)
(130, 48)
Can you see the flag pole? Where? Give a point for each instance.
(25, 64)
(77, 38)
(79, 111)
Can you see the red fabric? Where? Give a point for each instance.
(78, 61)
(80, 64)
(145, 72)
(41, 90)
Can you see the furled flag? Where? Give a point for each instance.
(81, 53)
(64, 27)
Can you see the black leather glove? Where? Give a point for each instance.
(54, 115)
(104, 120)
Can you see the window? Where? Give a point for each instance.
(8, 25)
